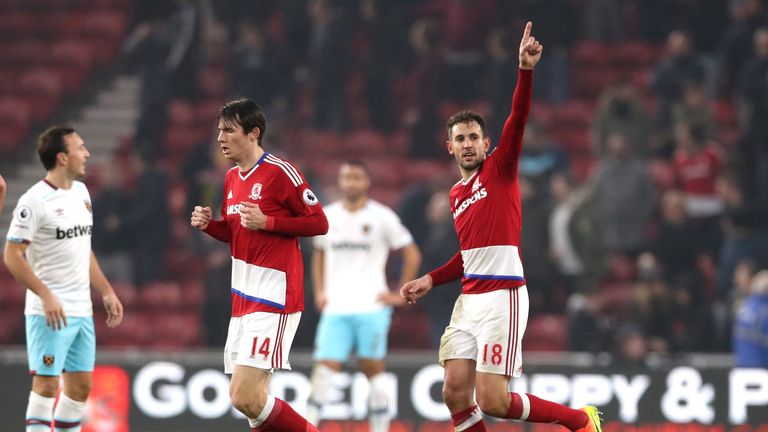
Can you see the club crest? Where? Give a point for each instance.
(255, 192)
(48, 360)
(88, 206)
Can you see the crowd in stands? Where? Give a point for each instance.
(644, 171)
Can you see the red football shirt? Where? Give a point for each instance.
(267, 267)
(486, 211)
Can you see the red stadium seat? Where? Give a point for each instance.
(588, 82)
(575, 113)
(633, 55)
(589, 53)
(546, 333)
(160, 295)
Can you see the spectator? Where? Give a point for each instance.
(111, 240)
(620, 109)
(745, 271)
(466, 25)
(572, 234)
(754, 95)
(439, 247)
(501, 77)
(695, 110)
(328, 57)
(622, 178)
(148, 221)
(253, 64)
(424, 87)
(744, 232)
(604, 20)
(750, 336)
(540, 157)
(556, 29)
(146, 50)
(677, 246)
(539, 271)
(736, 44)
(380, 59)
(697, 166)
(680, 66)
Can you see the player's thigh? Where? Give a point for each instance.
(81, 356)
(47, 348)
(458, 340)
(500, 329)
(335, 338)
(263, 340)
(371, 332)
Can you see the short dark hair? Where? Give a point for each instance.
(466, 116)
(245, 113)
(357, 163)
(50, 143)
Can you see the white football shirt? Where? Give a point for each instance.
(356, 250)
(57, 224)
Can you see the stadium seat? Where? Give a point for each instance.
(546, 333)
(632, 55)
(15, 119)
(590, 54)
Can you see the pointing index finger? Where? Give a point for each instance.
(527, 32)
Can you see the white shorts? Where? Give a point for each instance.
(488, 328)
(261, 340)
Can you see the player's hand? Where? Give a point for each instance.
(201, 217)
(114, 310)
(320, 300)
(55, 317)
(530, 49)
(251, 216)
(391, 298)
(416, 289)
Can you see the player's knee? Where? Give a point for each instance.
(457, 396)
(492, 404)
(80, 391)
(46, 388)
(248, 402)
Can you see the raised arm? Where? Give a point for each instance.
(511, 140)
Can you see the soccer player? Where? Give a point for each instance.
(480, 349)
(267, 205)
(349, 275)
(48, 250)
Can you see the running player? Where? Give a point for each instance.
(480, 349)
(48, 250)
(349, 275)
(267, 205)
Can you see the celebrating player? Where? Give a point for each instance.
(348, 270)
(480, 349)
(267, 205)
(48, 250)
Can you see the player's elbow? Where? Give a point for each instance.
(322, 225)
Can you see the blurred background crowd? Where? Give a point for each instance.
(644, 172)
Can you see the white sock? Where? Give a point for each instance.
(378, 403)
(264, 414)
(39, 413)
(68, 415)
(322, 386)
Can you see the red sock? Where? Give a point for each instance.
(529, 408)
(284, 419)
(469, 420)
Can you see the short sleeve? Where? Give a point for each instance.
(27, 218)
(397, 234)
(320, 242)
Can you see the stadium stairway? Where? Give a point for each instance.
(102, 124)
